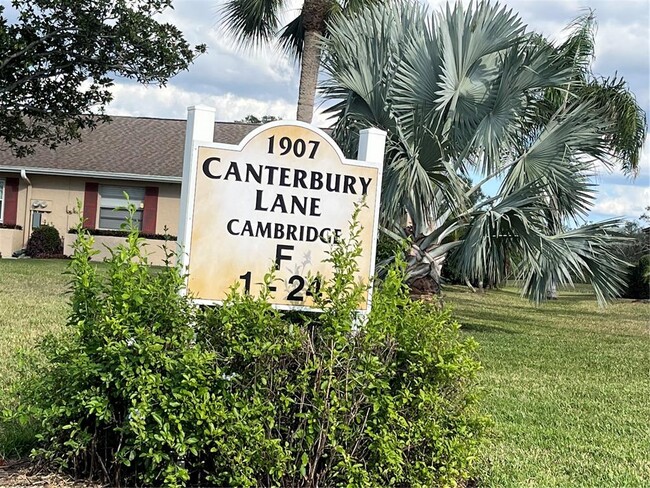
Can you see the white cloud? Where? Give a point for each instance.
(620, 195)
(627, 201)
(172, 102)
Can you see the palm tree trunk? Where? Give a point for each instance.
(314, 13)
(309, 64)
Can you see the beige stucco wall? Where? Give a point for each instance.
(153, 248)
(169, 199)
(61, 194)
(10, 240)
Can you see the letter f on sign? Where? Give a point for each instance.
(279, 257)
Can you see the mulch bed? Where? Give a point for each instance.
(23, 472)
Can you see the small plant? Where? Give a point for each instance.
(45, 241)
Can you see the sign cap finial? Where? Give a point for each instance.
(372, 142)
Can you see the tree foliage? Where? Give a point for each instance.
(59, 59)
(608, 94)
(253, 119)
(256, 22)
(469, 90)
(637, 252)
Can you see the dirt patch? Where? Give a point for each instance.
(25, 473)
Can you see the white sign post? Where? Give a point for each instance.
(279, 198)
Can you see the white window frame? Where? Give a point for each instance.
(3, 184)
(123, 189)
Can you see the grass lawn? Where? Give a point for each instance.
(567, 384)
(32, 303)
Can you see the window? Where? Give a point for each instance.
(37, 219)
(2, 199)
(112, 206)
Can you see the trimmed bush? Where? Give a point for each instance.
(44, 241)
(638, 284)
(124, 233)
(148, 389)
(11, 226)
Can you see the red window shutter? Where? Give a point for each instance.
(150, 210)
(90, 205)
(11, 201)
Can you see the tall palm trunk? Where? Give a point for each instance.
(314, 13)
(308, 76)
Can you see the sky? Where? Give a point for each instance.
(264, 82)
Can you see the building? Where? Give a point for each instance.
(140, 156)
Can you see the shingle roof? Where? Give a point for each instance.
(127, 145)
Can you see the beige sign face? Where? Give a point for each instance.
(277, 200)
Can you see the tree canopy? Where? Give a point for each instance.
(59, 58)
(471, 90)
(254, 22)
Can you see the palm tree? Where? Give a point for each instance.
(254, 22)
(609, 94)
(470, 91)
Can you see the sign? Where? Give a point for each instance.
(280, 199)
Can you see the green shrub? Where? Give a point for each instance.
(10, 226)
(387, 247)
(125, 233)
(638, 284)
(44, 241)
(148, 389)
